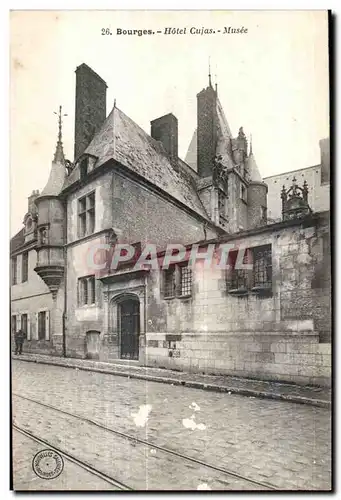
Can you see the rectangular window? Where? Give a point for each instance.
(24, 267)
(256, 280)
(86, 215)
(185, 280)
(169, 282)
(14, 270)
(86, 291)
(41, 325)
(24, 323)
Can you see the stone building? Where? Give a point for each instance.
(127, 187)
(317, 178)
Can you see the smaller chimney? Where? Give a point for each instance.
(165, 130)
(325, 160)
(31, 199)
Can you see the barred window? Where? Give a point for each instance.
(86, 291)
(177, 281)
(185, 280)
(169, 282)
(262, 275)
(239, 279)
(258, 279)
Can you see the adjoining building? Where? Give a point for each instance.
(125, 186)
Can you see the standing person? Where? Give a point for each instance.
(19, 340)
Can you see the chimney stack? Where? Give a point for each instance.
(207, 134)
(90, 113)
(165, 130)
(325, 160)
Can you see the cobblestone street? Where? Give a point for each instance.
(282, 444)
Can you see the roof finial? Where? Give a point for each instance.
(250, 145)
(209, 72)
(59, 154)
(115, 103)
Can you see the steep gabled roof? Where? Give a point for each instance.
(253, 169)
(224, 137)
(191, 155)
(121, 139)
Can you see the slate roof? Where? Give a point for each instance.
(253, 169)
(55, 181)
(17, 240)
(224, 137)
(191, 155)
(121, 139)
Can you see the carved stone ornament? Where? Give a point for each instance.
(219, 172)
(295, 201)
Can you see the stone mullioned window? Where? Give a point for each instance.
(86, 215)
(86, 291)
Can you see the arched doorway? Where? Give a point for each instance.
(129, 327)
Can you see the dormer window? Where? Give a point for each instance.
(84, 167)
(28, 224)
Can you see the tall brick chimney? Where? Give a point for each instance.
(207, 130)
(165, 130)
(90, 114)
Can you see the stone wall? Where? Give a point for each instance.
(137, 215)
(275, 338)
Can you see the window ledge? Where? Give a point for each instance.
(170, 297)
(188, 296)
(238, 291)
(261, 288)
(87, 306)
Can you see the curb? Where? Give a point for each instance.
(195, 385)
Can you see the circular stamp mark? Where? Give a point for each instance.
(48, 464)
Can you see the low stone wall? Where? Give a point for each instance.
(269, 356)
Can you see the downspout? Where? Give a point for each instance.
(65, 278)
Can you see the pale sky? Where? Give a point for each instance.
(273, 81)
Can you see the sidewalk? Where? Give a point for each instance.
(316, 396)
